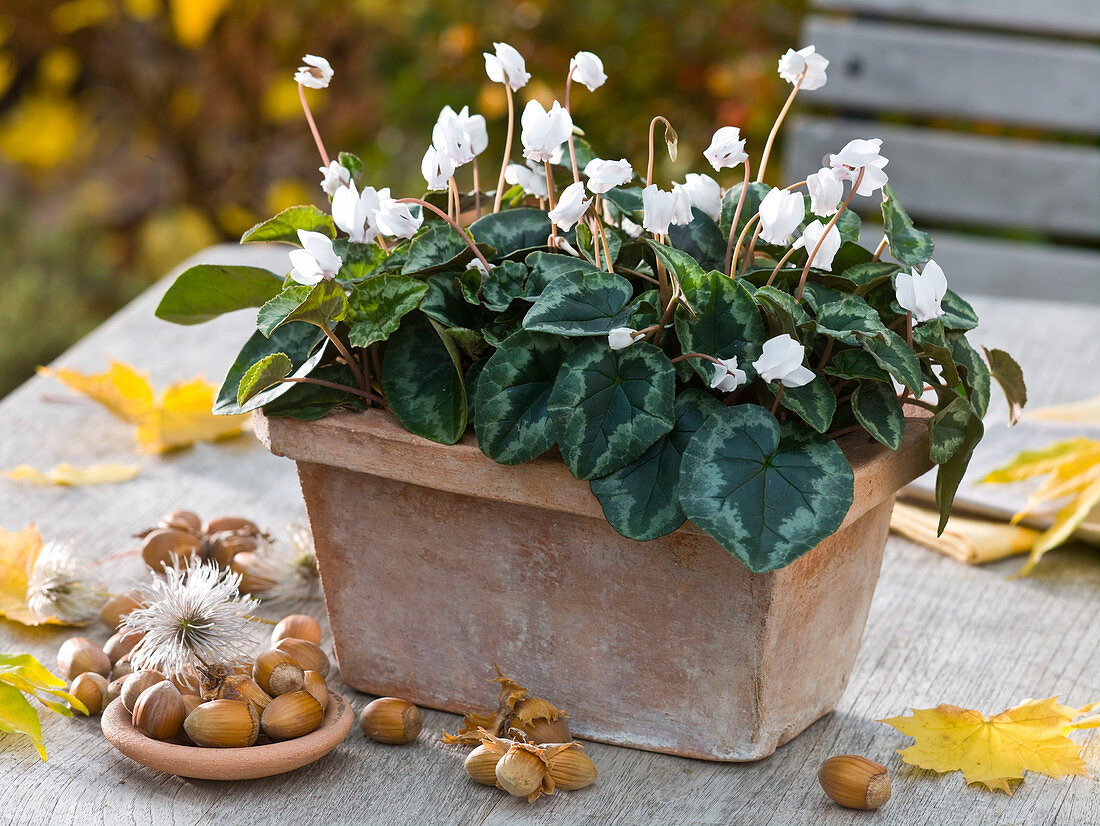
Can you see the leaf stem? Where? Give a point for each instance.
(750, 253)
(825, 232)
(312, 125)
(445, 217)
(736, 217)
(360, 379)
(778, 123)
(366, 394)
(507, 146)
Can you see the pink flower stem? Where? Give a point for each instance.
(477, 193)
(829, 226)
(775, 127)
(778, 396)
(312, 125)
(696, 356)
(507, 147)
(551, 195)
(736, 218)
(572, 148)
(469, 241)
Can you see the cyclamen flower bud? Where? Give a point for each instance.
(622, 337)
(316, 74)
(587, 68)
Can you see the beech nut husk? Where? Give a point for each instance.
(277, 673)
(244, 688)
(223, 724)
(136, 683)
(855, 782)
(315, 684)
(291, 715)
(571, 768)
(521, 772)
(481, 765)
(298, 626)
(307, 654)
(160, 711)
(117, 607)
(78, 655)
(391, 720)
(91, 689)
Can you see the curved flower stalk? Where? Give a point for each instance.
(316, 73)
(506, 66)
(804, 69)
(586, 68)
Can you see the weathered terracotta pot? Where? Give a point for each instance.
(437, 562)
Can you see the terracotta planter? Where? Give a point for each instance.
(437, 562)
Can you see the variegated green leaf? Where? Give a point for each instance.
(855, 363)
(950, 474)
(907, 244)
(376, 307)
(878, 409)
(512, 230)
(726, 323)
(323, 304)
(701, 239)
(584, 304)
(302, 343)
(284, 226)
(546, 266)
(268, 371)
(814, 403)
(976, 376)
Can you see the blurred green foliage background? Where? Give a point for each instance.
(135, 132)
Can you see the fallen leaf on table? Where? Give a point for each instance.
(71, 475)
(22, 673)
(973, 541)
(1082, 412)
(178, 419)
(18, 551)
(1029, 737)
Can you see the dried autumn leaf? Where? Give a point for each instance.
(180, 418)
(22, 673)
(973, 541)
(71, 476)
(18, 551)
(1029, 737)
(1082, 412)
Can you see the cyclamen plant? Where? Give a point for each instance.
(693, 353)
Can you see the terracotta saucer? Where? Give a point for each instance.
(228, 764)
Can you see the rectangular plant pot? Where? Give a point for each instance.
(437, 562)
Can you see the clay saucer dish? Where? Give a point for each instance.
(228, 764)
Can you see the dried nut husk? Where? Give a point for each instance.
(121, 644)
(223, 724)
(136, 683)
(236, 524)
(481, 765)
(522, 773)
(182, 521)
(168, 546)
(117, 607)
(391, 720)
(224, 546)
(541, 721)
(277, 673)
(78, 655)
(291, 715)
(244, 688)
(252, 579)
(298, 626)
(855, 782)
(160, 711)
(570, 767)
(114, 690)
(123, 668)
(315, 684)
(91, 689)
(190, 703)
(307, 654)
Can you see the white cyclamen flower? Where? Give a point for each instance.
(475, 264)
(587, 68)
(793, 64)
(861, 154)
(726, 149)
(921, 292)
(571, 206)
(316, 73)
(316, 261)
(451, 140)
(477, 135)
(726, 375)
(506, 66)
(605, 175)
(531, 177)
(397, 219)
(354, 212)
(681, 211)
(826, 190)
(659, 209)
(61, 585)
(780, 214)
(193, 618)
(622, 337)
(781, 360)
(437, 169)
(335, 176)
(829, 246)
(706, 195)
(542, 131)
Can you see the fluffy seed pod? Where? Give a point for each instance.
(315, 684)
(78, 655)
(277, 673)
(136, 683)
(481, 765)
(159, 711)
(855, 782)
(298, 626)
(244, 688)
(223, 724)
(291, 715)
(307, 654)
(182, 521)
(570, 768)
(522, 773)
(118, 606)
(121, 644)
(391, 720)
(91, 689)
(168, 546)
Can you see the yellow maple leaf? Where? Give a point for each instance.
(18, 551)
(1029, 737)
(179, 418)
(70, 475)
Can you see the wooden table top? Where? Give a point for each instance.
(938, 632)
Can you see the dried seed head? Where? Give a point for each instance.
(855, 782)
(61, 585)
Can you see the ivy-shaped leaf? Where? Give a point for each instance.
(907, 244)
(976, 375)
(726, 323)
(302, 343)
(585, 304)
(268, 371)
(376, 307)
(814, 403)
(701, 239)
(360, 261)
(950, 474)
(512, 230)
(949, 426)
(751, 206)
(436, 247)
(855, 364)
(878, 409)
(546, 266)
(323, 304)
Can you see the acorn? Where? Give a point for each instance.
(521, 772)
(236, 524)
(117, 607)
(160, 711)
(91, 689)
(253, 580)
(391, 720)
(242, 687)
(168, 546)
(570, 768)
(123, 668)
(190, 703)
(182, 521)
(314, 683)
(78, 655)
(121, 644)
(223, 724)
(298, 626)
(222, 547)
(481, 765)
(855, 782)
(277, 673)
(307, 654)
(291, 715)
(136, 683)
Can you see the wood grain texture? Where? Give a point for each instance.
(937, 631)
(922, 70)
(1073, 18)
